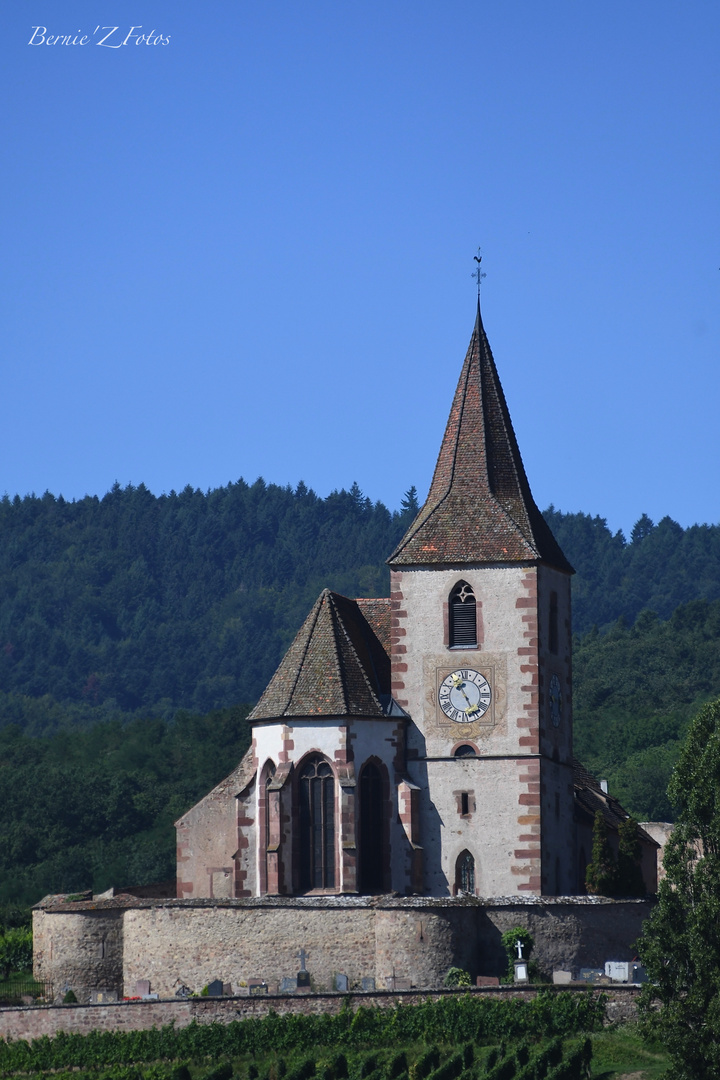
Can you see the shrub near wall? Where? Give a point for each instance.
(450, 1020)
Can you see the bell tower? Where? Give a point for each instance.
(481, 660)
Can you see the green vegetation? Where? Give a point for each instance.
(132, 626)
(94, 808)
(680, 946)
(431, 1034)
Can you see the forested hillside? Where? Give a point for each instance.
(125, 621)
(136, 602)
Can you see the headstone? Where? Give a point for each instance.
(402, 984)
(215, 988)
(151, 997)
(257, 987)
(342, 983)
(142, 987)
(288, 986)
(639, 974)
(303, 980)
(487, 980)
(591, 974)
(521, 971)
(227, 990)
(368, 983)
(617, 971)
(562, 978)
(100, 997)
(183, 992)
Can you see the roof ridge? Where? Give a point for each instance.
(364, 626)
(337, 623)
(315, 612)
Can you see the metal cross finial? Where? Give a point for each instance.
(478, 273)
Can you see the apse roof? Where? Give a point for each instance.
(336, 666)
(480, 507)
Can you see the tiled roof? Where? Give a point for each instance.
(336, 666)
(590, 797)
(479, 508)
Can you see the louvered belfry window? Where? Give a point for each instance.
(463, 616)
(317, 826)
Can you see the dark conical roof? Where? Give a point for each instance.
(336, 666)
(479, 508)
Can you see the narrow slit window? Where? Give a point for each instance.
(464, 804)
(463, 617)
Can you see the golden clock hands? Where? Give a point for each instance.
(460, 685)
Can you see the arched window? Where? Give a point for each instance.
(464, 750)
(465, 874)
(372, 799)
(266, 777)
(463, 616)
(317, 825)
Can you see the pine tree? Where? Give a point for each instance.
(601, 874)
(680, 946)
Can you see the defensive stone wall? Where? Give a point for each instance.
(109, 946)
(32, 1022)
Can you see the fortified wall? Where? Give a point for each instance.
(108, 946)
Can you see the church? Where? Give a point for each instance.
(421, 744)
(410, 791)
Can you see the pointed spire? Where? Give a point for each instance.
(479, 507)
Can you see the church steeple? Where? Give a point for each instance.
(479, 507)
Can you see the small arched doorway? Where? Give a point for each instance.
(372, 832)
(465, 874)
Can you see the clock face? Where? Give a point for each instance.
(556, 702)
(464, 695)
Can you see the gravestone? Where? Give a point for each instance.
(487, 980)
(288, 986)
(183, 992)
(341, 983)
(592, 975)
(368, 983)
(99, 997)
(639, 974)
(142, 987)
(303, 975)
(227, 990)
(215, 988)
(257, 987)
(562, 978)
(617, 971)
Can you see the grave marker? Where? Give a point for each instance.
(215, 988)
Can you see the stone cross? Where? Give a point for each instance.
(302, 957)
(519, 947)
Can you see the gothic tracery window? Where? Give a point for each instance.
(463, 616)
(317, 825)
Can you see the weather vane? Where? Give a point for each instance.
(478, 273)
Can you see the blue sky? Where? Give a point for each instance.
(248, 251)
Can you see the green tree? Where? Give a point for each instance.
(16, 951)
(601, 873)
(629, 880)
(680, 946)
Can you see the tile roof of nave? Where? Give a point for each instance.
(336, 666)
(479, 507)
